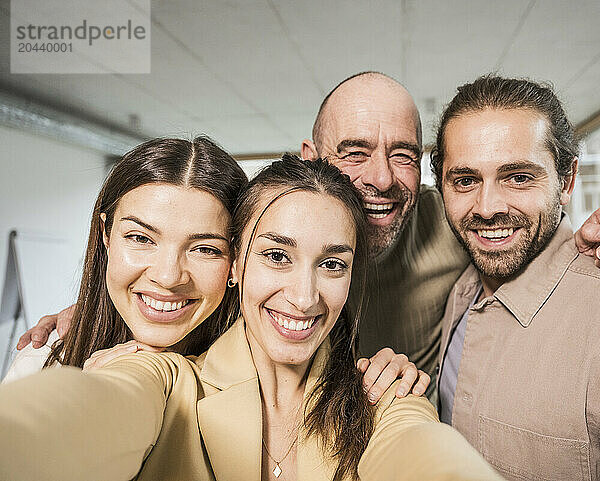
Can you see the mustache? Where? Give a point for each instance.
(395, 193)
(476, 222)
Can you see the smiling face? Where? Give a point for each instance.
(168, 260)
(501, 191)
(297, 275)
(370, 131)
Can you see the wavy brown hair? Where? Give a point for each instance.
(199, 164)
(338, 411)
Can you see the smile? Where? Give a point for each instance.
(495, 234)
(163, 306)
(379, 211)
(292, 323)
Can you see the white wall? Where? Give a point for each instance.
(47, 187)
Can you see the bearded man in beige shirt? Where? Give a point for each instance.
(520, 358)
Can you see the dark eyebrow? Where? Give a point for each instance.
(522, 165)
(460, 171)
(142, 223)
(191, 237)
(280, 239)
(349, 143)
(207, 236)
(337, 249)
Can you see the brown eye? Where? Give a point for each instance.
(139, 239)
(277, 257)
(520, 178)
(464, 182)
(334, 265)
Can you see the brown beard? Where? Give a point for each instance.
(504, 264)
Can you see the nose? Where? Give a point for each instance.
(302, 291)
(168, 269)
(377, 172)
(490, 201)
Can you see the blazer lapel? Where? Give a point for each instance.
(230, 414)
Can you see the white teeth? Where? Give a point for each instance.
(370, 206)
(162, 305)
(378, 216)
(496, 233)
(292, 325)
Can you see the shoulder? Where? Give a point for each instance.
(29, 360)
(404, 412)
(165, 369)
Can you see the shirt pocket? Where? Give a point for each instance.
(521, 454)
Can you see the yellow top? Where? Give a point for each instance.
(161, 416)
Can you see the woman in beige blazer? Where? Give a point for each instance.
(277, 396)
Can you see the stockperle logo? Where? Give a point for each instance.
(80, 36)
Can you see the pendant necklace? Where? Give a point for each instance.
(277, 470)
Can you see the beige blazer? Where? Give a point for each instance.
(164, 417)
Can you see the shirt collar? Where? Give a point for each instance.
(524, 295)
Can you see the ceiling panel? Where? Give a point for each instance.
(252, 73)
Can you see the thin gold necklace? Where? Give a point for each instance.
(277, 470)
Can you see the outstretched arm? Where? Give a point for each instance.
(64, 424)
(409, 443)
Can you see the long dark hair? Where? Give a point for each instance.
(338, 410)
(200, 164)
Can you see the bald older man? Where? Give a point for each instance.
(370, 128)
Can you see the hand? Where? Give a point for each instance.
(588, 237)
(384, 368)
(103, 356)
(38, 334)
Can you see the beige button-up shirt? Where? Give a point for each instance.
(528, 390)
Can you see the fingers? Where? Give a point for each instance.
(24, 340)
(38, 335)
(383, 369)
(362, 364)
(63, 321)
(104, 356)
(421, 386)
(408, 377)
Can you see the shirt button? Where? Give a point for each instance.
(467, 398)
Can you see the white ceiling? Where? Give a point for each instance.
(252, 73)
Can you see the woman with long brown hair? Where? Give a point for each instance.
(138, 234)
(277, 396)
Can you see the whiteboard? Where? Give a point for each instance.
(47, 273)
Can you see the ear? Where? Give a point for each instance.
(103, 228)
(568, 184)
(308, 150)
(235, 271)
